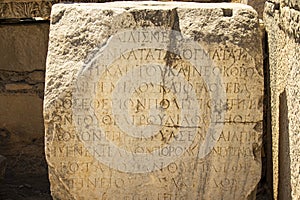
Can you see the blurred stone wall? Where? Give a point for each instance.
(23, 50)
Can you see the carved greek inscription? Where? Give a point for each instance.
(156, 116)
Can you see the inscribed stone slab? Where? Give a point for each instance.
(153, 100)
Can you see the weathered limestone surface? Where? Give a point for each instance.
(11, 9)
(18, 9)
(154, 100)
(283, 28)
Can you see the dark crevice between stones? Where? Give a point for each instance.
(172, 55)
(265, 186)
(23, 21)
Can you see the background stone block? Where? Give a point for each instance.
(282, 25)
(23, 46)
(23, 51)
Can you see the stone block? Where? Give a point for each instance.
(284, 55)
(23, 46)
(154, 100)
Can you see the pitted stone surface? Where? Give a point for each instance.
(153, 100)
(282, 25)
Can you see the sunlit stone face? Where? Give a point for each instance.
(140, 104)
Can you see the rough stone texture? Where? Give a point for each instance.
(15, 9)
(12, 10)
(294, 4)
(282, 24)
(258, 5)
(76, 148)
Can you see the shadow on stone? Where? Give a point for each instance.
(284, 184)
